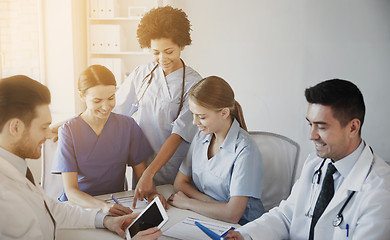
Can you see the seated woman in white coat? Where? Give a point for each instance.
(222, 175)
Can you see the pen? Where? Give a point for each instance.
(225, 233)
(114, 199)
(209, 233)
(347, 227)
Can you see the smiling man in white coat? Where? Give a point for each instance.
(25, 210)
(344, 189)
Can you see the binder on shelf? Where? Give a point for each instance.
(104, 8)
(94, 41)
(94, 8)
(111, 8)
(101, 8)
(107, 38)
(113, 37)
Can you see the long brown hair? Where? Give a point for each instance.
(215, 93)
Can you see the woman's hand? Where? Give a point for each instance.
(54, 133)
(162, 198)
(179, 200)
(144, 187)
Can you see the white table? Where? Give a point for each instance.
(175, 215)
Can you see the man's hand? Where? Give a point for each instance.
(119, 224)
(233, 235)
(148, 234)
(119, 210)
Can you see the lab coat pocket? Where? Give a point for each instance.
(342, 232)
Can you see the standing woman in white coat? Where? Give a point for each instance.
(155, 95)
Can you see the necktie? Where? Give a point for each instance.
(326, 194)
(30, 177)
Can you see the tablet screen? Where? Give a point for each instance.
(151, 218)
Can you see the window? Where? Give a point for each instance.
(20, 46)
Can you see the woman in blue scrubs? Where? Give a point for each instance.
(222, 176)
(95, 146)
(156, 95)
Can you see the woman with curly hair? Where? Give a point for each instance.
(156, 95)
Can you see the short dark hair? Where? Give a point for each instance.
(19, 97)
(342, 96)
(95, 75)
(164, 22)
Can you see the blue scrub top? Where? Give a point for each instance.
(156, 112)
(236, 170)
(100, 161)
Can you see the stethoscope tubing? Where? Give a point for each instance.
(339, 217)
(150, 81)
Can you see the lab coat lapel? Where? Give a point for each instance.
(353, 182)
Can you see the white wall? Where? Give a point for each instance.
(270, 51)
(65, 53)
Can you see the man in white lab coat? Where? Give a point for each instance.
(357, 186)
(25, 210)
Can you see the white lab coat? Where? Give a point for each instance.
(157, 110)
(368, 212)
(22, 211)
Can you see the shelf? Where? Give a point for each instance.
(115, 19)
(121, 53)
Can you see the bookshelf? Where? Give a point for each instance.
(111, 34)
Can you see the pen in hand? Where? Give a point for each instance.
(119, 209)
(114, 199)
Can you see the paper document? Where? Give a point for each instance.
(187, 230)
(128, 202)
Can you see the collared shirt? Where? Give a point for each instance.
(17, 162)
(345, 165)
(236, 170)
(21, 165)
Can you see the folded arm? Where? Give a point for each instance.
(189, 198)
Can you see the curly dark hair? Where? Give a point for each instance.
(164, 22)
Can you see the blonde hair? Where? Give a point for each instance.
(215, 93)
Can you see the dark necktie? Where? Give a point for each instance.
(30, 177)
(326, 194)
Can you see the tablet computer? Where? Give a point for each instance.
(154, 215)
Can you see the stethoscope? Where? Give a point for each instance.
(150, 75)
(316, 180)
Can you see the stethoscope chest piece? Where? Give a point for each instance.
(338, 220)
